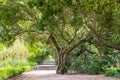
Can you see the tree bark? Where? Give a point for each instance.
(61, 64)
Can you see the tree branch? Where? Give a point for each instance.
(63, 35)
(67, 52)
(54, 42)
(78, 53)
(73, 37)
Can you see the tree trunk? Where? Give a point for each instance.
(61, 64)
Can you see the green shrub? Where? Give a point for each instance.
(95, 67)
(7, 72)
(75, 65)
(113, 72)
(92, 63)
(88, 64)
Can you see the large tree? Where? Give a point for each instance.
(68, 24)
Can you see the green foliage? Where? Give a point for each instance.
(38, 53)
(2, 47)
(75, 64)
(95, 67)
(99, 18)
(86, 64)
(112, 71)
(92, 63)
(7, 72)
(14, 62)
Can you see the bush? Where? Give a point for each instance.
(7, 72)
(92, 63)
(95, 67)
(10, 68)
(85, 64)
(75, 64)
(113, 72)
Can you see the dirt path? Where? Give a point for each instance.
(50, 75)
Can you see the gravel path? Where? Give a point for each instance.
(50, 75)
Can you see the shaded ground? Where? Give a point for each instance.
(50, 75)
